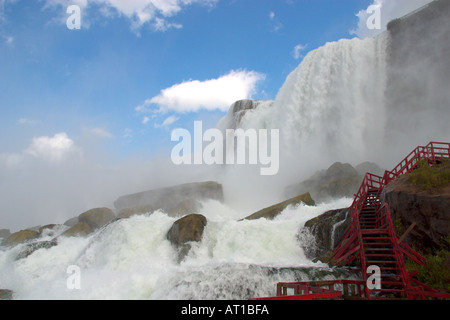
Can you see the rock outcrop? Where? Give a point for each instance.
(71, 222)
(175, 201)
(409, 203)
(32, 247)
(96, 218)
(88, 222)
(339, 180)
(326, 230)
(272, 211)
(21, 237)
(239, 109)
(81, 229)
(186, 230)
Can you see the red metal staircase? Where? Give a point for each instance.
(370, 240)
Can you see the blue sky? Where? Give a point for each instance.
(89, 83)
(106, 81)
(75, 103)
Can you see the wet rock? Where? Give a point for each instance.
(272, 211)
(185, 230)
(81, 229)
(71, 222)
(96, 218)
(32, 247)
(327, 231)
(21, 237)
(430, 211)
(48, 226)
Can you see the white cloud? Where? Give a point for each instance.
(297, 54)
(275, 24)
(26, 121)
(97, 132)
(167, 122)
(145, 120)
(390, 9)
(53, 149)
(140, 12)
(213, 94)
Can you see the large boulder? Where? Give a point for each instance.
(185, 230)
(96, 218)
(81, 229)
(71, 222)
(272, 211)
(176, 201)
(21, 237)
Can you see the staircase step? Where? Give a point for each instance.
(373, 255)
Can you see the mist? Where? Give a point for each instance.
(35, 192)
(352, 101)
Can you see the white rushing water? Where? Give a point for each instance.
(132, 259)
(330, 109)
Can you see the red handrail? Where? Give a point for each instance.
(352, 242)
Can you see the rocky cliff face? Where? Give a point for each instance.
(430, 210)
(327, 230)
(409, 202)
(418, 76)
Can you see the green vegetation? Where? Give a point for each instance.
(435, 272)
(431, 177)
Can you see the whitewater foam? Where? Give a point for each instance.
(132, 259)
(330, 108)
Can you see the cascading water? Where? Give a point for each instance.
(331, 108)
(325, 112)
(132, 259)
